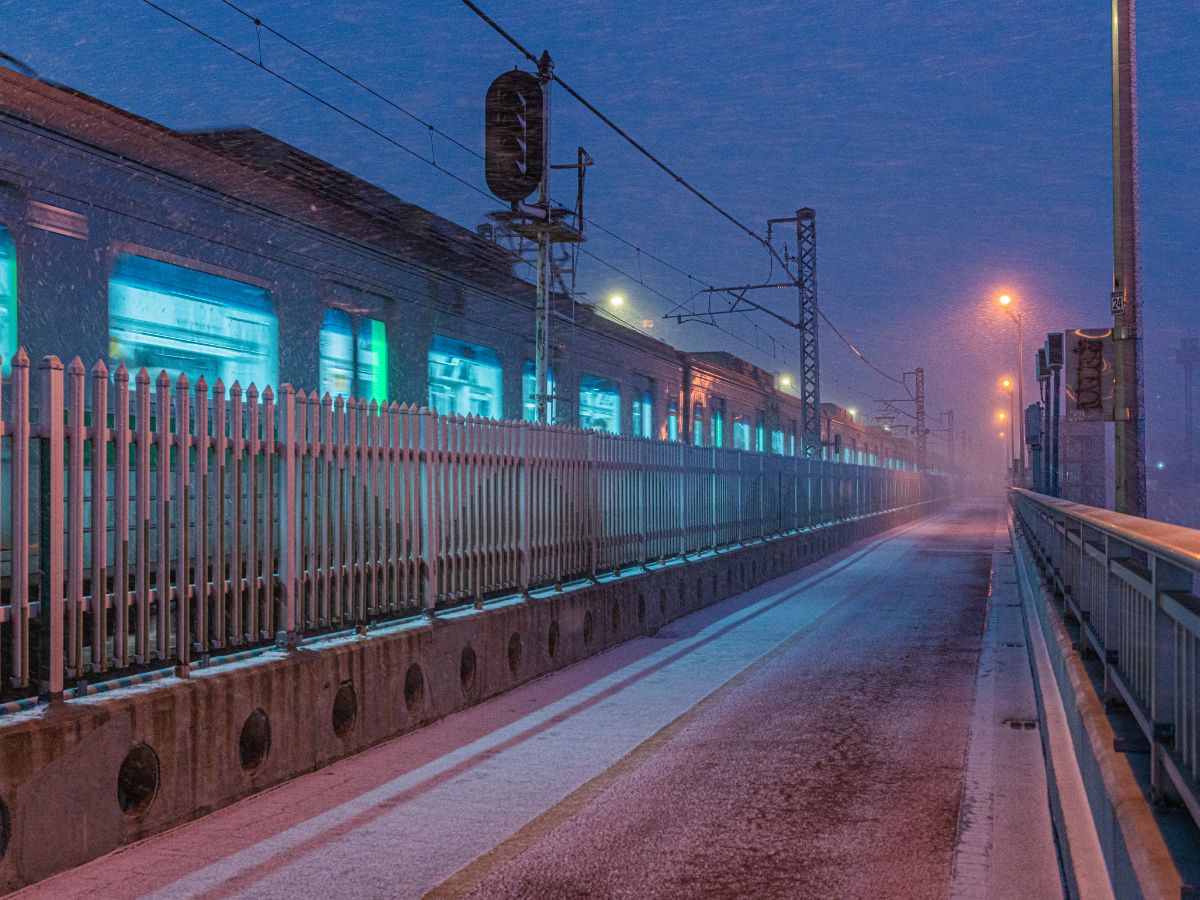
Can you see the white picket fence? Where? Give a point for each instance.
(290, 514)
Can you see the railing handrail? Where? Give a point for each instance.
(1176, 543)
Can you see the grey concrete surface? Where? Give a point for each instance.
(803, 739)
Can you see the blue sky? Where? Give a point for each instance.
(949, 147)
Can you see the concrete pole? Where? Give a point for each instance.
(1130, 424)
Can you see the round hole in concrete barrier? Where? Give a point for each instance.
(466, 669)
(137, 780)
(662, 601)
(5, 827)
(254, 743)
(587, 627)
(414, 688)
(514, 653)
(345, 709)
(616, 615)
(552, 639)
(641, 608)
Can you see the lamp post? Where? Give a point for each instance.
(1006, 385)
(1006, 302)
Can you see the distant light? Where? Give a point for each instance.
(853, 412)
(1005, 300)
(1002, 434)
(647, 323)
(1160, 465)
(1001, 416)
(786, 380)
(1005, 383)
(616, 300)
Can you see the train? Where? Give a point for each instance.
(233, 255)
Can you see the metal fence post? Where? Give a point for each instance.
(50, 518)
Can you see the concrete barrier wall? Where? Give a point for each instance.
(1135, 853)
(59, 766)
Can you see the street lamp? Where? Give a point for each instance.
(1008, 304)
(1006, 385)
(616, 301)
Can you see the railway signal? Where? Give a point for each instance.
(515, 135)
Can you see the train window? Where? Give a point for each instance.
(643, 413)
(698, 426)
(354, 355)
(672, 420)
(760, 432)
(529, 393)
(792, 439)
(718, 423)
(8, 298)
(777, 442)
(465, 379)
(741, 433)
(164, 316)
(599, 404)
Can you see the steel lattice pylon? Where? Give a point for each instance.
(810, 362)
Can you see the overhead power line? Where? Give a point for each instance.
(679, 179)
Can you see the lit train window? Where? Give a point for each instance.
(718, 423)
(760, 433)
(8, 298)
(643, 414)
(741, 433)
(672, 420)
(465, 379)
(777, 442)
(529, 390)
(599, 404)
(792, 439)
(163, 316)
(354, 356)
(698, 426)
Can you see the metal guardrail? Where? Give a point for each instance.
(157, 524)
(1131, 584)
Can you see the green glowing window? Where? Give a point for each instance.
(164, 316)
(599, 404)
(529, 392)
(741, 433)
(464, 379)
(718, 423)
(777, 442)
(643, 413)
(8, 298)
(698, 426)
(672, 420)
(354, 356)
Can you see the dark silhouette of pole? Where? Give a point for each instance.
(1130, 416)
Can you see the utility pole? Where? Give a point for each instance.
(950, 438)
(921, 432)
(1130, 421)
(1188, 356)
(810, 363)
(542, 328)
(1054, 357)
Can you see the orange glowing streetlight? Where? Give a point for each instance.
(1001, 416)
(1010, 306)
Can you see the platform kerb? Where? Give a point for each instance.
(59, 779)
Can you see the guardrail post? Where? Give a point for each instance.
(1164, 670)
(50, 518)
(1113, 550)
